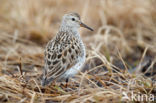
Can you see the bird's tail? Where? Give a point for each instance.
(46, 81)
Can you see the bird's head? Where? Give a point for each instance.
(72, 20)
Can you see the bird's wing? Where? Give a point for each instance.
(59, 57)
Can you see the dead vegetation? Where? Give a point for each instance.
(120, 52)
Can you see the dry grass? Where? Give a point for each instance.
(121, 52)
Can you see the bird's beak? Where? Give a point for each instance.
(85, 26)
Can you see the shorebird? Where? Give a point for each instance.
(65, 54)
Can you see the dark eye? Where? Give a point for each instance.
(73, 19)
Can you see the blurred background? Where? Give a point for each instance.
(124, 32)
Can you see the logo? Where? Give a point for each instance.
(137, 97)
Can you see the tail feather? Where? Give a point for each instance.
(46, 81)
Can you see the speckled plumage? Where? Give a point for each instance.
(65, 54)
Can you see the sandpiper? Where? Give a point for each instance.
(65, 54)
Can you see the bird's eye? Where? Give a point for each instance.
(73, 19)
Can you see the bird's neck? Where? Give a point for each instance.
(70, 30)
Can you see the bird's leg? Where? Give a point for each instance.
(67, 79)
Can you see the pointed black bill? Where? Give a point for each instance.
(85, 26)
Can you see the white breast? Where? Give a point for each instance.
(76, 68)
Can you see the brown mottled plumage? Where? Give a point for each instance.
(65, 54)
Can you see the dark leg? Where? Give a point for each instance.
(67, 82)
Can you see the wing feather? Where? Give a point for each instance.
(59, 57)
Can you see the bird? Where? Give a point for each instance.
(65, 54)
